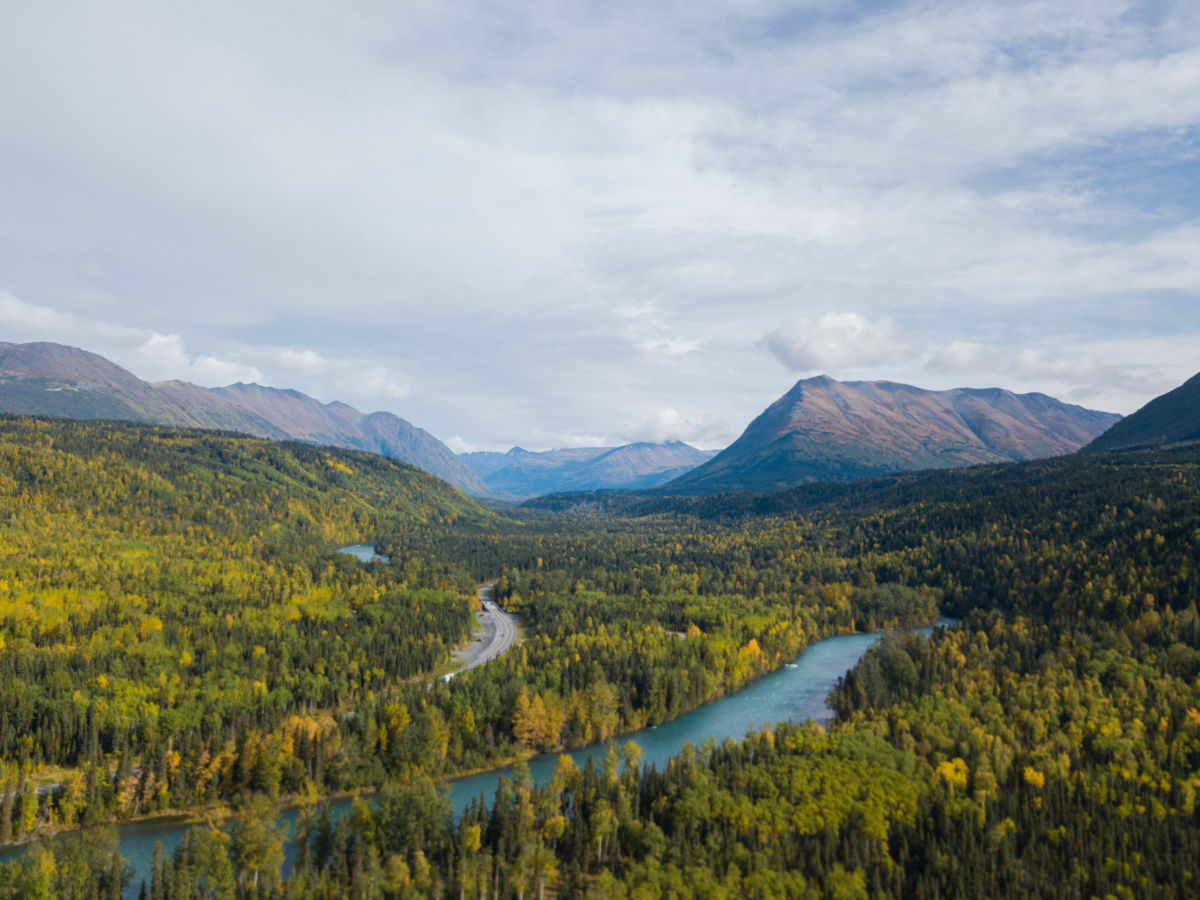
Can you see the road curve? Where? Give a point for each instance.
(497, 633)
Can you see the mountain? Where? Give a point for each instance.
(337, 424)
(1173, 418)
(638, 465)
(521, 473)
(54, 380)
(827, 430)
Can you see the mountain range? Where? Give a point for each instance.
(820, 430)
(827, 430)
(521, 473)
(54, 380)
(1173, 418)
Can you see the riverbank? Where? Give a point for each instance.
(792, 692)
(289, 803)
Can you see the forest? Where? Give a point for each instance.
(177, 632)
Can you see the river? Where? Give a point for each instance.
(795, 692)
(363, 552)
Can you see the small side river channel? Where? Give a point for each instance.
(363, 552)
(795, 692)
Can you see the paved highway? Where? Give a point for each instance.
(497, 632)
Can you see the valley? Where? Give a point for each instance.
(600, 451)
(160, 657)
(497, 633)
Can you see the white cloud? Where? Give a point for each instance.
(212, 371)
(306, 362)
(163, 357)
(340, 378)
(154, 355)
(965, 356)
(677, 346)
(538, 439)
(458, 445)
(670, 425)
(835, 342)
(627, 311)
(164, 353)
(1117, 375)
(377, 381)
(23, 321)
(533, 209)
(649, 329)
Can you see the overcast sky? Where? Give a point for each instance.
(555, 223)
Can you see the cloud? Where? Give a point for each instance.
(667, 425)
(163, 357)
(212, 371)
(306, 362)
(618, 203)
(1111, 374)
(23, 321)
(649, 329)
(965, 356)
(154, 355)
(377, 381)
(1075, 366)
(157, 356)
(537, 439)
(677, 346)
(341, 377)
(164, 352)
(834, 342)
(458, 445)
(628, 311)
(670, 425)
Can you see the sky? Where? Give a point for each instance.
(564, 224)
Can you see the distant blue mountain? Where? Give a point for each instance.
(521, 473)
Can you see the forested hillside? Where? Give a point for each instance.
(174, 624)
(1047, 746)
(1050, 746)
(177, 632)
(1172, 418)
(48, 379)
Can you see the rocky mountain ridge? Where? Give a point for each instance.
(55, 380)
(827, 430)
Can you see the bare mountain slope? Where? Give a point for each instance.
(826, 430)
(54, 380)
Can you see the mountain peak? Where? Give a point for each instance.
(827, 430)
(521, 473)
(1173, 418)
(813, 381)
(33, 377)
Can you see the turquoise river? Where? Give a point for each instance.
(795, 692)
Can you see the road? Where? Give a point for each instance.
(497, 632)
